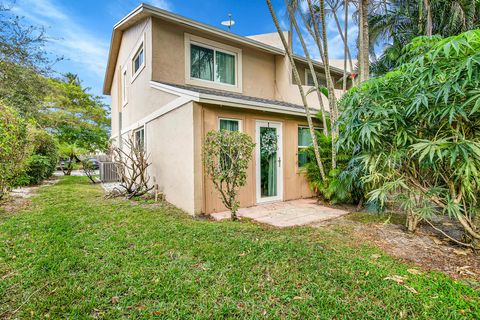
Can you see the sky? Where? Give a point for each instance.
(80, 31)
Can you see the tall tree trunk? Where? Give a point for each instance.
(429, 24)
(364, 47)
(293, 21)
(300, 88)
(340, 32)
(326, 62)
(345, 51)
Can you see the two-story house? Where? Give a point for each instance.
(172, 80)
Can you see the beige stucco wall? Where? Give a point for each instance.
(258, 72)
(170, 143)
(131, 38)
(295, 185)
(174, 139)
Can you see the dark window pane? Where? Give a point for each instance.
(201, 63)
(231, 125)
(137, 63)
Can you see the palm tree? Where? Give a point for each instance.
(296, 76)
(363, 43)
(291, 7)
(333, 7)
(399, 21)
(316, 19)
(346, 50)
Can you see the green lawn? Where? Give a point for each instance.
(73, 251)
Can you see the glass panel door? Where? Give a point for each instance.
(269, 161)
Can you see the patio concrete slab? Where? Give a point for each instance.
(287, 213)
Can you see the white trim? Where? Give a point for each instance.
(227, 101)
(144, 136)
(280, 182)
(140, 46)
(244, 104)
(240, 122)
(123, 78)
(174, 90)
(177, 103)
(215, 46)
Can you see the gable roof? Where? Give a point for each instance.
(145, 10)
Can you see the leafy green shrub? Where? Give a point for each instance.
(226, 156)
(42, 161)
(37, 168)
(14, 147)
(417, 130)
(47, 146)
(342, 184)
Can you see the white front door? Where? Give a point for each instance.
(269, 162)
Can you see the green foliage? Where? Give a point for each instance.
(70, 153)
(226, 157)
(75, 116)
(342, 184)
(37, 168)
(417, 129)
(14, 147)
(24, 63)
(43, 160)
(73, 243)
(398, 22)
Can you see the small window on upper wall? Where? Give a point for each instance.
(321, 79)
(139, 138)
(138, 60)
(304, 142)
(229, 124)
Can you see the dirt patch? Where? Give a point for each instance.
(426, 248)
(19, 198)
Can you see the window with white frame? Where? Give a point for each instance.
(139, 138)
(304, 142)
(212, 64)
(321, 79)
(138, 60)
(229, 124)
(124, 87)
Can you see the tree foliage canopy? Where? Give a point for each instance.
(418, 130)
(226, 156)
(14, 146)
(397, 22)
(75, 116)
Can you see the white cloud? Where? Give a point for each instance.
(70, 39)
(162, 4)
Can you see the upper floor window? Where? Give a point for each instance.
(138, 60)
(321, 79)
(212, 64)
